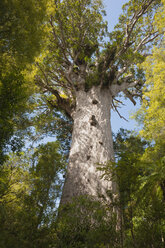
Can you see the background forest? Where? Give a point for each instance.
(32, 172)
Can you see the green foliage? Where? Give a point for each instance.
(86, 222)
(131, 30)
(14, 106)
(76, 29)
(21, 29)
(30, 186)
(21, 39)
(79, 36)
(141, 198)
(151, 115)
(152, 112)
(128, 150)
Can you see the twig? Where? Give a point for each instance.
(115, 108)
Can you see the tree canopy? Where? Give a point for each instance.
(77, 57)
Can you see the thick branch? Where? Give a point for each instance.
(116, 88)
(129, 95)
(61, 103)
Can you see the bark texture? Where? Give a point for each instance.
(92, 145)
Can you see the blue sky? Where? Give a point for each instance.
(114, 9)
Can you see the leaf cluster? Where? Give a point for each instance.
(30, 187)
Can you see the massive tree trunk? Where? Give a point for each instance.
(92, 145)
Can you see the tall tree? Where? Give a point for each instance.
(81, 75)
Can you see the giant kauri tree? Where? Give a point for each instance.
(82, 71)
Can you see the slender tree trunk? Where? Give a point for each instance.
(92, 145)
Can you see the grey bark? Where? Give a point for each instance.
(92, 145)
